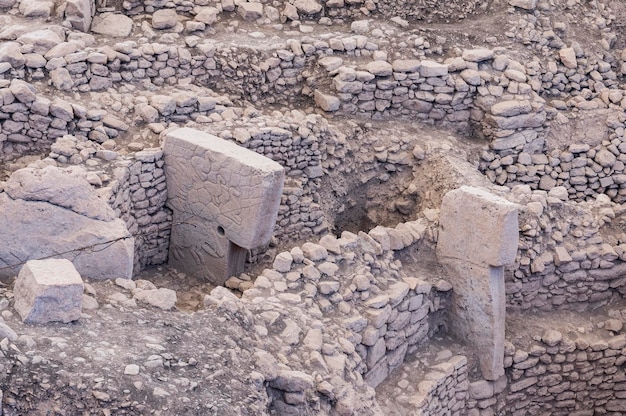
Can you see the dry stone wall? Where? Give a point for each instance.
(138, 194)
(561, 376)
(30, 122)
(387, 315)
(570, 255)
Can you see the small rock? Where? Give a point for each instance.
(551, 337)
(131, 369)
(250, 11)
(568, 57)
(327, 102)
(164, 19)
(308, 6)
(48, 291)
(162, 298)
(112, 24)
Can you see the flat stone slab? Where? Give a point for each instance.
(225, 198)
(84, 231)
(48, 291)
(113, 24)
(478, 226)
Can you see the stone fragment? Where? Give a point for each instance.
(7, 332)
(471, 76)
(112, 24)
(147, 113)
(605, 158)
(60, 50)
(551, 337)
(292, 381)
(330, 63)
(10, 53)
(131, 370)
(568, 58)
(164, 19)
(282, 262)
(308, 6)
(380, 68)
(79, 14)
(165, 104)
(161, 298)
(406, 65)
(62, 79)
(48, 291)
(477, 55)
(250, 11)
(511, 108)
(23, 91)
(433, 69)
(314, 252)
(36, 8)
(360, 27)
(207, 15)
(291, 334)
(326, 102)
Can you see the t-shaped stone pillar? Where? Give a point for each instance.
(478, 236)
(224, 199)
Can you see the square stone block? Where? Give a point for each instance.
(48, 291)
(478, 226)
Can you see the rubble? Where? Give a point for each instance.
(378, 115)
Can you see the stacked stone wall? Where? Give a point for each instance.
(30, 122)
(570, 255)
(444, 389)
(386, 315)
(138, 194)
(560, 376)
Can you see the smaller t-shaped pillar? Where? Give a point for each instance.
(478, 236)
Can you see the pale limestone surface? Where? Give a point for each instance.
(48, 291)
(85, 229)
(478, 236)
(478, 226)
(224, 198)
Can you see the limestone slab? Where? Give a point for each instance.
(225, 199)
(56, 213)
(48, 291)
(478, 226)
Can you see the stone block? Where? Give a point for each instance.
(477, 55)
(478, 236)
(224, 198)
(48, 291)
(433, 69)
(478, 226)
(84, 229)
(568, 58)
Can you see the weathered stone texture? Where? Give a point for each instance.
(85, 229)
(220, 194)
(48, 291)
